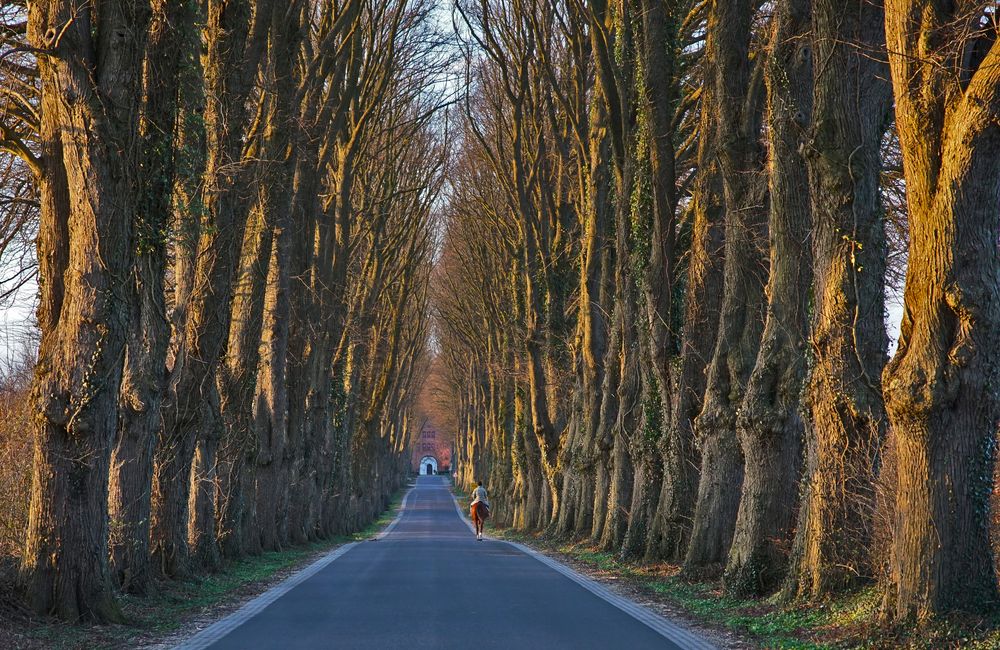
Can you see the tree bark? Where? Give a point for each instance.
(744, 275)
(842, 398)
(89, 107)
(769, 425)
(144, 375)
(940, 387)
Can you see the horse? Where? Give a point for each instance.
(479, 512)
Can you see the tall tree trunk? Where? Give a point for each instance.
(238, 380)
(236, 34)
(271, 401)
(647, 471)
(604, 437)
(654, 234)
(672, 523)
(89, 116)
(940, 387)
(144, 375)
(541, 422)
(202, 540)
(737, 85)
(240, 375)
(619, 494)
(842, 398)
(769, 425)
(288, 437)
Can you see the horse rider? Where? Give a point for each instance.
(479, 496)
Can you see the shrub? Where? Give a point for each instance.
(15, 459)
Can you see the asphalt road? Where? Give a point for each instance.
(429, 584)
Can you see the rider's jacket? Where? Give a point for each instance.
(479, 494)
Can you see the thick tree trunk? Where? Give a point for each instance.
(940, 387)
(144, 375)
(89, 115)
(528, 467)
(202, 540)
(271, 401)
(541, 422)
(843, 399)
(129, 495)
(139, 421)
(240, 375)
(286, 396)
(672, 524)
(604, 437)
(619, 494)
(237, 379)
(647, 471)
(744, 277)
(235, 37)
(769, 425)
(653, 224)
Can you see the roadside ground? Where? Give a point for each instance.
(851, 621)
(179, 607)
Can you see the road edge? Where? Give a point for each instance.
(227, 624)
(670, 631)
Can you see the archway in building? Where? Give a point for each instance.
(428, 466)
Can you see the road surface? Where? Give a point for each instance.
(429, 584)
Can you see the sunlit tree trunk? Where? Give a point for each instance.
(654, 235)
(144, 375)
(201, 525)
(940, 387)
(240, 374)
(627, 415)
(235, 38)
(89, 116)
(702, 303)
(769, 425)
(842, 398)
(739, 93)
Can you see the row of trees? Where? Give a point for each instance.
(662, 293)
(233, 203)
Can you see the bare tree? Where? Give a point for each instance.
(235, 42)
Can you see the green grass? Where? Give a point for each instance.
(176, 602)
(771, 626)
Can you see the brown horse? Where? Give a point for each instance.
(479, 513)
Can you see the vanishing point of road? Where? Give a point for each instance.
(427, 583)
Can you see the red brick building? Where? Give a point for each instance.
(431, 452)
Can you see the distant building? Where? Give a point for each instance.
(431, 452)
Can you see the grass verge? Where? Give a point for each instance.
(178, 603)
(850, 621)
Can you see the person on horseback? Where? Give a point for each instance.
(480, 508)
